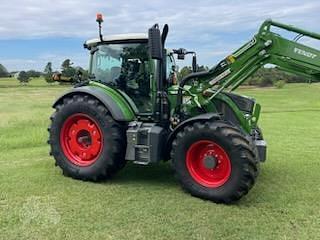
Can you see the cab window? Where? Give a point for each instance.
(125, 67)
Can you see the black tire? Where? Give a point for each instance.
(111, 157)
(238, 147)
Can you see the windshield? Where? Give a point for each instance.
(113, 63)
(125, 67)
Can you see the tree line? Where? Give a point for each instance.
(67, 71)
(264, 77)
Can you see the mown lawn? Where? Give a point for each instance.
(37, 202)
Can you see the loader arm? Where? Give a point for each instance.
(287, 55)
(266, 47)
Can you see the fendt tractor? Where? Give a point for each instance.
(132, 108)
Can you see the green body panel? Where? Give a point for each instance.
(244, 121)
(130, 101)
(247, 122)
(127, 107)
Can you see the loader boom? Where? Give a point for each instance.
(286, 54)
(266, 47)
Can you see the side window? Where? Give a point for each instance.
(170, 65)
(171, 75)
(106, 67)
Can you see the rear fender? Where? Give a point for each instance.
(119, 108)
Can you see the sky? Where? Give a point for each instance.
(34, 32)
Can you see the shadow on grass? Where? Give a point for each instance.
(162, 175)
(157, 174)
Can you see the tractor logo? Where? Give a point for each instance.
(304, 53)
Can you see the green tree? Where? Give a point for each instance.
(67, 69)
(3, 71)
(66, 64)
(23, 78)
(184, 72)
(82, 74)
(33, 74)
(48, 73)
(203, 68)
(188, 69)
(270, 76)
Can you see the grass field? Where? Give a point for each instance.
(37, 202)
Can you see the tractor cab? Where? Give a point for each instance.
(123, 62)
(139, 67)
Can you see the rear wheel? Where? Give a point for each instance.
(85, 140)
(214, 161)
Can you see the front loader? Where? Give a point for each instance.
(133, 109)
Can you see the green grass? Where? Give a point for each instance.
(37, 202)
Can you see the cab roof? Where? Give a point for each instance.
(118, 37)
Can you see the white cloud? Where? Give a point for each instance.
(199, 24)
(44, 18)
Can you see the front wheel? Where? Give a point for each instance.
(214, 161)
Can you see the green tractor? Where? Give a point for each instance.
(133, 109)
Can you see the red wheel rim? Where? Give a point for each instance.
(208, 164)
(81, 139)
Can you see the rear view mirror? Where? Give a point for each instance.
(155, 43)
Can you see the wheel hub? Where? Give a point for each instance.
(210, 162)
(81, 139)
(84, 138)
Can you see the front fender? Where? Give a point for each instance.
(119, 108)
